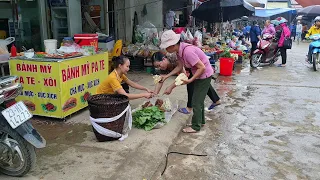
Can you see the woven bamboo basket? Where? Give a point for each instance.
(108, 106)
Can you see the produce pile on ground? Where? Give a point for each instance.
(151, 114)
(148, 117)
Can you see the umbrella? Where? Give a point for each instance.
(223, 10)
(310, 11)
(305, 3)
(273, 12)
(281, 20)
(275, 22)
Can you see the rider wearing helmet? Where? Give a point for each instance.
(315, 29)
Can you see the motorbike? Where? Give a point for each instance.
(315, 51)
(267, 51)
(18, 138)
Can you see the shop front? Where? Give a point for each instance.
(22, 20)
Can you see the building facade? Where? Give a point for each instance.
(277, 4)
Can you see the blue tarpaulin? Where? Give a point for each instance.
(272, 12)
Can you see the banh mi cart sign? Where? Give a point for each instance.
(58, 89)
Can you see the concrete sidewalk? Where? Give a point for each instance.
(72, 151)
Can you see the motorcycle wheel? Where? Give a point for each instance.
(23, 156)
(255, 60)
(315, 61)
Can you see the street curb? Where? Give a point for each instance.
(157, 172)
(148, 157)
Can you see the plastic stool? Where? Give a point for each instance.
(117, 49)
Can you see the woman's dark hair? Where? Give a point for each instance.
(157, 56)
(118, 60)
(254, 22)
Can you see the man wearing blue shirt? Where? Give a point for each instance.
(293, 31)
(255, 33)
(246, 32)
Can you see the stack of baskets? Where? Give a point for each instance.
(108, 106)
(137, 63)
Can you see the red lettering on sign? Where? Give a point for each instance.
(27, 67)
(75, 72)
(64, 76)
(30, 80)
(21, 80)
(18, 67)
(45, 68)
(85, 69)
(50, 82)
(102, 65)
(70, 73)
(94, 67)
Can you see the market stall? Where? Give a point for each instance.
(145, 44)
(59, 87)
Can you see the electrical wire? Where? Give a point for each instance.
(174, 152)
(152, 2)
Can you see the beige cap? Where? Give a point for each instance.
(169, 38)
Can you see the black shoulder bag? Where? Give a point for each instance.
(287, 44)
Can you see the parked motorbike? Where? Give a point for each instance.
(267, 51)
(18, 138)
(315, 51)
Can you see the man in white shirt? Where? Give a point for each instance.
(298, 31)
(170, 18)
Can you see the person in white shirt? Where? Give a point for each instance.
(298, 31)
(170, 19)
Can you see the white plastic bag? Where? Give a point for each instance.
(197, 39)
(189, 35)
(4, 43)
(3, 49)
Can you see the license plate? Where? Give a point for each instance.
(17, 114)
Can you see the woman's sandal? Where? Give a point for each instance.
(189, 130)
(213, 105)
(184, 111)
(281, 65)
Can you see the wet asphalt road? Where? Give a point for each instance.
(267, 128)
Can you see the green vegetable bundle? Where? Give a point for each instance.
(226, 53)
(147, 118)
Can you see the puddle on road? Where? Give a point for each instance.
(244, 69)
(60, 135)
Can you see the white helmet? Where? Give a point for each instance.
(317, 19)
